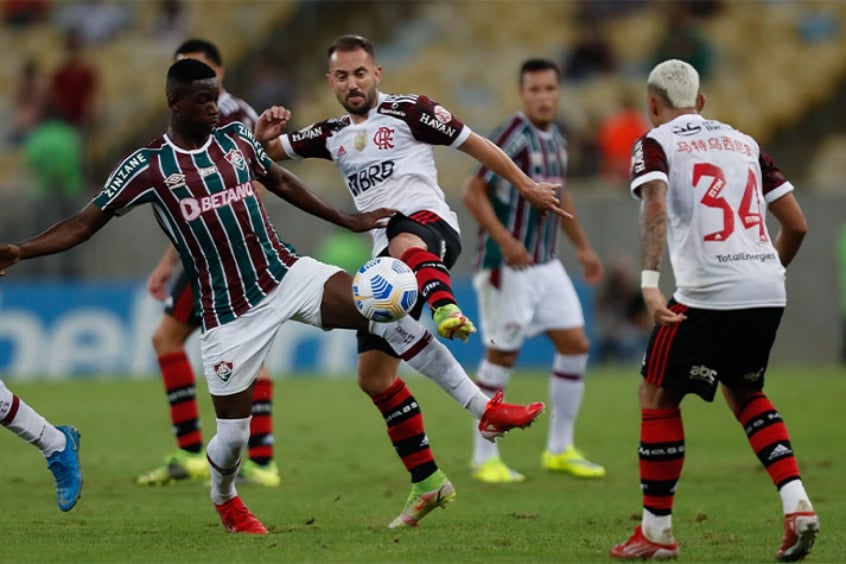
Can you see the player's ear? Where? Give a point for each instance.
(172, 100)
(700, 102)
(652, 106)
(377, 72)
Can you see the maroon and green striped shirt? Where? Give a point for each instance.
(205, 203)
(542, 155)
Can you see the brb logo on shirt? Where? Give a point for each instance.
(368, 177)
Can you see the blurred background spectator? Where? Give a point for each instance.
(53, 152)
(23, 13)
(73, 85)
(683, 39)
(29, 101)
(591, 54)
(616, 135)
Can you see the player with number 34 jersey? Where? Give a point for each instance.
(722, 255)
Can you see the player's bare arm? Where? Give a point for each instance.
(541, 195)
(476, 200)
(653, 239)
(162, 273)
(270, 125)
(592, 270)
(60, 237)
(288, 186)
(793, 227)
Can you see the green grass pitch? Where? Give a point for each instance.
(342, 482)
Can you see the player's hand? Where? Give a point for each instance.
(656, 304)
(592, 270)
(515, 255)
(158, 280)
(271, 123)
(544, 197)
(376, 219)
(9, 255)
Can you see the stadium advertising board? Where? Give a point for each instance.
(103, 329)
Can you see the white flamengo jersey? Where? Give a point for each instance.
(387, 160)
(719, 184)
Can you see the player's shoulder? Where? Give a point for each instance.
(236, 128)
(137, 161)
(398, 106)
(321, 129)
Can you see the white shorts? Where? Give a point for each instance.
(233, 352)
(526, 303)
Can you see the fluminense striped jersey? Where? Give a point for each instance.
(542, 155)
(232, 108)
(205, 202)
(387, 160)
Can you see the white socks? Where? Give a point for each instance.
(657, 528)
(491, 377)
(430, 357)
(224, 452)
(28, 424)
(566, 388)
(792, 493)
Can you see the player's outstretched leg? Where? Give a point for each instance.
(64, 464)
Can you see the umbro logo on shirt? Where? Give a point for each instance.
(175, 181)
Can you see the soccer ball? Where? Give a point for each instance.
(384, 289)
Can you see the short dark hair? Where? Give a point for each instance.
(536, 65)
(184, 72)
(203, 46)
(351, 42)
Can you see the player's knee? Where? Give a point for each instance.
(374, 382)
(165, 341)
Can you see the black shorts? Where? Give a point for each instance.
(709, 347)
(180, 302)
(440, 238)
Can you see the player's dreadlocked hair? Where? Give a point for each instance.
(182, 73)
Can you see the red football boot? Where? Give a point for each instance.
(238, 519)
(800, 532)
(638, 547)
(501, 417)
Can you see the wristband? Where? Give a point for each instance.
(649, 278)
